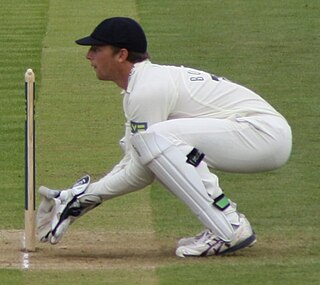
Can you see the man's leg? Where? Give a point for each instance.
(179, 170)
(235, 145)
(253, 145)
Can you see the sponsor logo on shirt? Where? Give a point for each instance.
(138, 126)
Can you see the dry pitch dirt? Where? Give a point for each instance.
(87, 250)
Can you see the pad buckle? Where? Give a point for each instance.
(195, 157)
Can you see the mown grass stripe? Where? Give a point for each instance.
(268, 45)
(80, 122)
(22, 29)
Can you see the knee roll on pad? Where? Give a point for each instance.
(149, 146)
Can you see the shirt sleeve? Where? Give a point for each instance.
(150, 103)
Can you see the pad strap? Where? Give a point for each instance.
(221, 202)
(195, 157)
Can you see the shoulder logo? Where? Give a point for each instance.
(138, 126)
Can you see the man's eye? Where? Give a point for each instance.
(94, 48)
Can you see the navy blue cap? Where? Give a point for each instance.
(121, 32)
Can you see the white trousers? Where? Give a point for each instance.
(247, 144)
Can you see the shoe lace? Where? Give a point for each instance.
(203, 236)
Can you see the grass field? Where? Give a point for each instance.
(269, 46)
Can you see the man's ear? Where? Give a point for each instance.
(123, 55)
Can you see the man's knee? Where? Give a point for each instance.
(149, 145)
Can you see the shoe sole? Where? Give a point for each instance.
(250, 241)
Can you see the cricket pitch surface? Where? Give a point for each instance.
(87, 250)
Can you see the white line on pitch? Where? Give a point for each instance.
(25, 260)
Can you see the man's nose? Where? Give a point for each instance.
(89, 54)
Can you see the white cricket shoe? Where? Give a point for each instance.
(207, 243)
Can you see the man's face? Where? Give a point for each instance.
(104, 61)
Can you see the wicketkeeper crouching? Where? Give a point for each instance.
(182, 125)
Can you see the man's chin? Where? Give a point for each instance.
(99, 76)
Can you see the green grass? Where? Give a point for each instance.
(269, 46)
(23, 26)
(96, 277)
(250, 273)
(11, 276)
(281, 77)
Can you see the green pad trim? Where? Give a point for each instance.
(221, 202)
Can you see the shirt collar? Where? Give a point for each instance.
(133, 74)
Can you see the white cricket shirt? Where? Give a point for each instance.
(157, 93)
